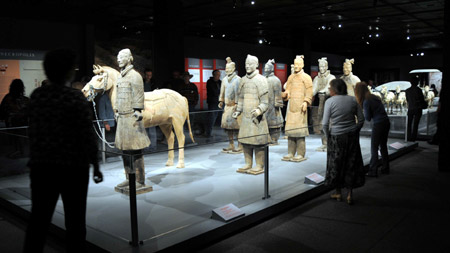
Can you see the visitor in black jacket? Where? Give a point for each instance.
(416, 102)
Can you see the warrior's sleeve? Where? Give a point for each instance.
(277, 92)
(263, 94)
(222, 92)
(315, 85)
(236, 89)
(240, 104)
(308, 90)
(137, 92)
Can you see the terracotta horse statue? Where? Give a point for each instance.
(162, 107)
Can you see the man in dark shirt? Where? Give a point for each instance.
(416, 102)
(149, 81)
(150, 85)
(62, 146)
(212, 98)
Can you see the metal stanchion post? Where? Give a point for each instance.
(103, 145)
(266, 172)
(428, 122)
(406, 128)
(133, 206)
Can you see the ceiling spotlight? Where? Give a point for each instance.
(370, 27)
(329, 28)
(367, 43)
(323, 27)
(377, 35)
(422, 54)
(412, 54)
(260, 41)
(223, 35)
(212, 36)
(370, 35)
(259, 23)
(318, 28)
(407, 30)
(124, 27)
(417, 54)
(408, 37)
(269, 42)
(253, 2)
(340, 25)
(376, 28)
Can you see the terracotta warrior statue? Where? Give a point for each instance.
(253, 102)
(228, 97)
(273, 114)
(299, 94)
(131, 137)
(349, 78)
(321, 84)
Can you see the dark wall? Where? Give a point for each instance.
(204, 48)
(41, 35)
(365, 65)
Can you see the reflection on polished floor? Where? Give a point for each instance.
(182, 199)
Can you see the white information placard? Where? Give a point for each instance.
(227, 213)
(314, 178)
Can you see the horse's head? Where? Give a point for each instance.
(101, 82)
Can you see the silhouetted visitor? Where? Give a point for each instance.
(374, 111)
(13, 112)
(149, 81)
(212, 98)
(62, 146)
(416, 103)
(13, 105)
(342, 121)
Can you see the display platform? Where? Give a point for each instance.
(399, 122)
(178, 210)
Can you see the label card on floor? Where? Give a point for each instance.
(227, 213)
(314, 178)
(397, 145)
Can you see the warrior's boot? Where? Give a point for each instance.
(274, 136)
(239, 148)
(140, 172)
(324, 144)
(124, 183)
(248, 155)
(259, 157)
(126, 165)
(231, 142)
(291, 149)
(301, 150)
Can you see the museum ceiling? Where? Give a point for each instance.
(331, 25)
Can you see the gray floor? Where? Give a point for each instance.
(406, 211)
(182, 198)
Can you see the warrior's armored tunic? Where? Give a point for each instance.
(228, 95)
(273, 114)
(351, 81)
(299, 88)
(253, 94)
(321, 83)
(130, 133)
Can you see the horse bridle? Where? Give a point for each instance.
(92, 90)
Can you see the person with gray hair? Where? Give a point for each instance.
(253, 102)
(342, 120)
(273, 115)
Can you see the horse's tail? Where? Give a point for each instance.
(189, 126)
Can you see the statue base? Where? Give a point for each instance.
(250, 172)
(140, 190)
(294, 160)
